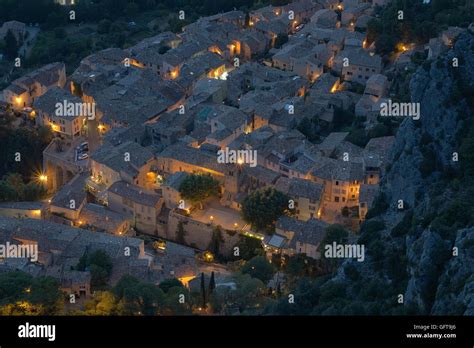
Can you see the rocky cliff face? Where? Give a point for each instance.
(424, 251)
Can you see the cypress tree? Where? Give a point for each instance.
(203, 291)
(212, 283)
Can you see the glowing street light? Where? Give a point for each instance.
(43, 178)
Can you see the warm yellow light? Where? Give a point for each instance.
(339, 7)
(240, 161)
(236, 224)
(43, 177)
(54, 127)
(334, 88)
(174, 74)
(151, 176)
(211, 217)
(37, 212)
(251, 23)
(401, 47)
(101, 127)
(18, 100)
(208, 256)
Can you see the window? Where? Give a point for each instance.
(336, 199)
(337, 183)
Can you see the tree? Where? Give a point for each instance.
(22, 294)
(180, 233)
(335, 233)
(249, 247)
(263, 207)
(216, 240)
(101, 303)
(249, 293)
(138, 298)
(100, 266)
(104, 26)
(167, 284)
(247, 20)
(374, 29)
(11, 45)
(259, 268)
(212, 283)
(280, 40)
(197, 188)
(203, 291)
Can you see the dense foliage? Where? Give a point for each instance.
(263, 207)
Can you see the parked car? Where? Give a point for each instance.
(299, 27)
(82, 156)
(84, 147)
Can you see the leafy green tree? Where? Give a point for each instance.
(138, 298)
(197, 188)
(280, 40)
(22, 294)
(101, 303)
(167, 284)
(11, 45)
(173, 304)
(263, 207)
(249, 293)
(335, 233)
(104, 26)
(307, 293)
(100, 266)
(249, 247)
(260, 268)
